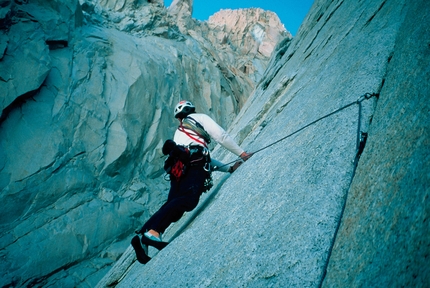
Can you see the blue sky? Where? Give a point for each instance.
(291, 12)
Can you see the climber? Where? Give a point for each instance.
(189, 166)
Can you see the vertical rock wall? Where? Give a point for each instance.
(273, 222)
(384, 240)
(30, 31)
(100, 97)
(86, 107)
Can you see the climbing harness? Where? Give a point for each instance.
(361, 137)
(197, 155)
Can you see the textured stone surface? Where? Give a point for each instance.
(265, 32)
(85, 110)
(23, 75)
(230, 30)
(80, 160)
(26, 31)
(384, 236)
(272, 223)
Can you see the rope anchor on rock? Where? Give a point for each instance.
(361, 137)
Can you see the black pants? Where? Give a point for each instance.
(183, 197)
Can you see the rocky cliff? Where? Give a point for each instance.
(306, 210)
(87, 91)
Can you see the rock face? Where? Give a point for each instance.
(225, 33)
(86, 107)
(80, 154)
(27, 30)
(299, 213)
(383, 239)
(263, 34)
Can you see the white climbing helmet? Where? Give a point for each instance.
(183, 108)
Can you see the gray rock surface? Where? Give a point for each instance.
(80, 159)
(85, 109)
(384, 238)
(273, 222)
(27, 30)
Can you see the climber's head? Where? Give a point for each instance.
(183, 109)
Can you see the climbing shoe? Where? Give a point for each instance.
(141, 250)
(153, 241)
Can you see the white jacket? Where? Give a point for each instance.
(216, 132)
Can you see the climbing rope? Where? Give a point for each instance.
(361, 141)
(360, 138)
